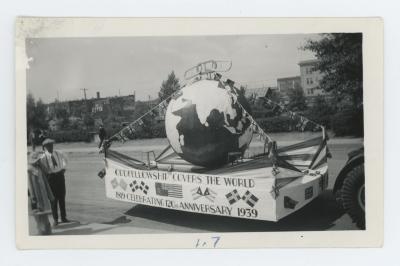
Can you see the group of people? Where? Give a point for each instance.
(46, 186)
(46, 182)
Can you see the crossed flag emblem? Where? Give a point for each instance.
(121, 183)
(248, 197)
(139, 186)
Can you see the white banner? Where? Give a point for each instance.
(238, 196)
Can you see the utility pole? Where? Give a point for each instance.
(84, 92)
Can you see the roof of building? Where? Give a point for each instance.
(308, 62)
(288, 78)
(259, 91)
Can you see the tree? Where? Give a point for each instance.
(88, 120)
(297, 100)
(321, 111)
(30, 111)
(321, 106)
(63, 115)
(35, 113)
(340, 62)
(169, 86)
(243, 100)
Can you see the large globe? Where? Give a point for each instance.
(206, 125)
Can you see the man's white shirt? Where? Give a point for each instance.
(48, 165)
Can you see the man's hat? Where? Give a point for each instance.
(47, 141)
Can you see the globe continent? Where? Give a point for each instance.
(205, 123)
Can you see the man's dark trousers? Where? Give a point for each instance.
(57, 185)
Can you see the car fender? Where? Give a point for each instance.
(355, 158)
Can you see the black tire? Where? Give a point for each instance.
(338, 198)
(352, 195)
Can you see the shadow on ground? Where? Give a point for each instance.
(78, 228)
(318, 215)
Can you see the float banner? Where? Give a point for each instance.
(239, 196)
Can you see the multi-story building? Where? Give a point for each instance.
(285, 85)
(288, 83)
(99, 105)
(310, 78)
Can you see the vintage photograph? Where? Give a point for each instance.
(123, 139)
(212, 133)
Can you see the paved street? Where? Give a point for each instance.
(93, 213)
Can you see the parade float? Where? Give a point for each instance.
(206, 167)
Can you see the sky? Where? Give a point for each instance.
(61, 67)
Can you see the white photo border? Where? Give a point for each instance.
(372, 29)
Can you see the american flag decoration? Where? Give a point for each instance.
(137, 126)
(162, 108)
(163, 104)
(153, 112)
(169, 190)
(233, 197)
(121, 137)
(176, 95)
(131, 130)
(126, 132)
(250, 199)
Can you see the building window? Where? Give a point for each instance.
(309, 81)
(310, 70)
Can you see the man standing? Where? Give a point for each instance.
(102, 135)
(54, 163)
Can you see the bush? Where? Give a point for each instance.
(147, 131)
(69, 135)
(348, 122)
(324, 119)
